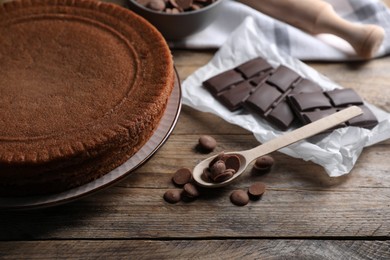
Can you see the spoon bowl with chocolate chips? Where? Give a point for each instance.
(177, 19)
(222, 169)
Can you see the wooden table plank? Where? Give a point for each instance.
(207, 249)
(284, 211)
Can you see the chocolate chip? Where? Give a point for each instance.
(175, 11)
(239, 198)
(217, 168)
(263, 164)
(256, 190)
(173, 3)
(217, 158)
(233, 162)
(207, 143)
(182, 176)
(184, 4)
(175, 6)
(227, 174)
(190, 191)
(157, 5)
(206, 175)
(172, 196)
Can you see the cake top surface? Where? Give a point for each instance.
(76, 75)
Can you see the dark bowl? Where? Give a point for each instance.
(178, 26)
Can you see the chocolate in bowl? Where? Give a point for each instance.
(177, 26)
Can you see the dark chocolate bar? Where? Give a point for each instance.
(310, 107)
(281, 96)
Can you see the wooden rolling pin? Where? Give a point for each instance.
(316, 16)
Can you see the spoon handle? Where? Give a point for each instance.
(303, 132)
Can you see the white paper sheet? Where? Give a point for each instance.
(336, 152)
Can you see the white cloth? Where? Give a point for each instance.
(336, 152)
(289, 39)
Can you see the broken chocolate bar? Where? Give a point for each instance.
(281, 96)
(310, 107)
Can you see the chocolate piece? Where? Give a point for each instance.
(184, 4)
(253, 67)
(233, 86)
(217, 168)
(269, 99)
(175, 6)
(263, 164)
(182, 176)
(223, 81)
(206, 175)
(239, 198)
(234, 97)
(190, 191)
(225, 175)
(310, 107)
(256, 190)
(207, 143)
(220, 156)
(367, 119)
(157, 5)
(233, 162)
(172, 196)
(176, 11)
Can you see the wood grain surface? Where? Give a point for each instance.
(304, 214)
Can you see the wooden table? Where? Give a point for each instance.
(304, 214)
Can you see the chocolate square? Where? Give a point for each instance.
(310, 107)
(223, 81)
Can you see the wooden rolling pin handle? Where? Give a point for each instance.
(316, 16)
(364, 38)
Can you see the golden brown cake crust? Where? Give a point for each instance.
(80, 80)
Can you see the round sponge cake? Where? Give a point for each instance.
(83, 85)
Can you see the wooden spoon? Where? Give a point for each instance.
(246, 157)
